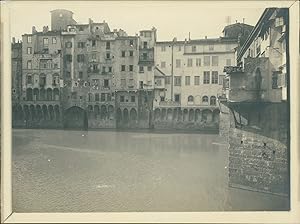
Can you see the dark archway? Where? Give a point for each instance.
(163, 114)
(133, 114)
(36, 94)
(216, 115)
(96, 110)
(57, 112)
(197, 115)
(111, 112)
(32, 113)
(39, 113)
(125, 116)
(119, 117)
(169, 114)
(29, 94)
(26, 112)
(157, 114)
(42, 94)
(45, 112)
(51, 112)
(49, 94)
(103, 112)
(191, 115)
(185, 115)
(207, 115)
(56, 94)
(20, 114)
(175, 114)
(75, 118)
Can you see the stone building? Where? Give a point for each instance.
(255, 107)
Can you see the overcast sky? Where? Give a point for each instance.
(172, 19)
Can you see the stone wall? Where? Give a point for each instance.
(258, 154)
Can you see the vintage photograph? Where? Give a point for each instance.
(149, 107)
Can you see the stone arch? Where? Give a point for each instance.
(205, 99)
(163, 114)
(118, 116)
(216, 115)
(42, 94)
(57, 112)
(26, 112)
(96, 110)
(213, 100)
(191, 115)
(39, 112)
(180, 115)
(49, 94)
(75, 118)
(32, 112)
(20, 114)
(207, 115)
(185, 114)
(175, 114)
(56, 94)
(169, 114)
(36, 94)
(90, 97)
(29, 94)
(111, 111)
(197, 115)
(103, 112)
(157, 114)
(190, 99)
(45, 112)
(125, 116)
(51, 112)
(133, 114)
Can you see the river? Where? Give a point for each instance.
(126, 171)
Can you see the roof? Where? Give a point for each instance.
(61, 10)
(266, 14)
(200, 41)
(50, 32)
(237, 24)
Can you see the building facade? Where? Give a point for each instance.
(89, 76)
(256, 106)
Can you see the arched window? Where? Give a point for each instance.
(190, 99)
(205, 99)
(213, 100)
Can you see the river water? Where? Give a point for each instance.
(126, 171)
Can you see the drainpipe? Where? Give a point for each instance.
(172, 75)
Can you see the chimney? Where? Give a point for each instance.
(175, 39)
(33, 30)
(205, 37)
(13, 40)
(189, 36)
(44, 29)
(243, 20)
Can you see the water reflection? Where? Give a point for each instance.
(102, 171)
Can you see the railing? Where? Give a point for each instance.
(169, 104)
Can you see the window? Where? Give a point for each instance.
(93, 43)
(177, 80)
(279, 21)
(80, 75)
(94, 56)
(68, 44)
(95, 67)
(145, 56)
(80, 58)
(29, 79)
(68, 74)
(108, 97)
(206, 60)
(168, 80)
(107, 55)
(274, 80)
(80, 28)
(214, 77)
(206, 78)
(213, 100)
(28, 39)
(198, 62)
(45, 41)
(145, 44)
(131, 83)
(190, 62)
(163, 48)
(123, 68)
(197, 80)
(228, 62)
(177, 97)
(141, 69)
(107, 45)
(190, 99)
(130, 53)
(109, 69)
(131, 42)
(29, 50)
(141, 84)
(123, 83)
(149, 68)
(55, 65)
(80, 44)
(97, 98)
(102, 97)
(211, 47)
(132, 99)
(162, 98)
(215, 60)
(178, 63)
(29, 64)
(123, 54)
(53, 40)
(131, 68)
(103, 69)
(106, 83)
(205, 99)
(194, 48)
(42, 80)
(122, 98)
(187, 80)
(158, 82)
(68, 57)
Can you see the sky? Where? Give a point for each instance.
(170, 18)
